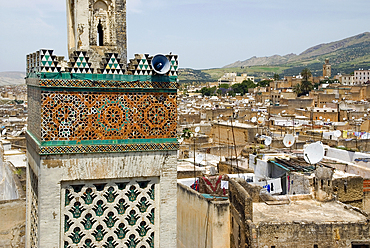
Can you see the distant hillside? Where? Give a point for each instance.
(345, 56)
(190, 75)
(12, 78)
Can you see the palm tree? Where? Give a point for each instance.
(306, 87)
(306, 74)
(297, 89)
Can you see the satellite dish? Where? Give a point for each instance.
(198, 158)
(210, 140)
(268, 141)
(337, 133)
(288, 140)
(314, 153)
(181, 140)
(3, 132)
(197, 129)
(254, 119)
(261, 120)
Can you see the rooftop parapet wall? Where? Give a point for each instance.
(89, 113)
(80, 61)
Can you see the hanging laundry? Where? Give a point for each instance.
(345, 134)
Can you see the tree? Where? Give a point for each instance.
(208, 91)
(297, 89)
(306, 74)
(264, 83)
(276, 77)
(306, 87)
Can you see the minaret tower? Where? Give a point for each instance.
(101, 138)
(98, 27)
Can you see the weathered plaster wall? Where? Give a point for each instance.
(201, 222)
(345, 155)
(13, 223)
(8, 186)
(299, 184)
(55, 169)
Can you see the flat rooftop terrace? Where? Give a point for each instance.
(305, 211)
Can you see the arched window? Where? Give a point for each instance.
(100, 34)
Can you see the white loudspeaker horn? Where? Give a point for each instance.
(160, 64)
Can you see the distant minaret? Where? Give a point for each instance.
(97, 27)
(326, 69)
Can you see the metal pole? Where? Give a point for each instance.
(195, 175)
(236, 155)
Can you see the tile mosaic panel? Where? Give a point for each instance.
(107, 115)
(107, 84)
(141, 65)
(33, 191)
(113, 213)
(79, 63)
(34, 110)
(112, 64)
(47, 150)
(43, 61)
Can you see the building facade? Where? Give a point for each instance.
(101, 139)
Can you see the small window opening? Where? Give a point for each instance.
(315, 246)
(100, 34)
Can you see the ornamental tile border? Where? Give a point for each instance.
(47, 150)
(106, 84)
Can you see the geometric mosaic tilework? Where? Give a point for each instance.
(107, 115)
(34, 110)
(174, 65)
(112, 64)
(111, 213)
(79, 63)
(43, 61)
(141, 65)
(107, 84)
(48, 150)
(34, 208)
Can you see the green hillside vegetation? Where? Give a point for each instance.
(345, 56)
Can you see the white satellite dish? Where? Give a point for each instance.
(198, 158)
(288, 140)
(181, 140)
(3, 132)
(197, 129)
(261, 120)
(254, 119)
(268, 141)
(314, 153)
(337, 133)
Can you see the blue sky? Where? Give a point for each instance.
(205, 33)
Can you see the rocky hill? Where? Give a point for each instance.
(347, 53)
(12, 78)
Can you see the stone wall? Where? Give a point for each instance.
(13, 223)
(201, 222)
(349, 190)
(241, 210)
(307, 235)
